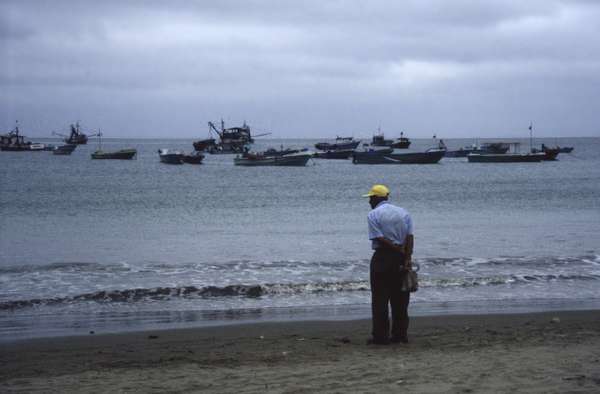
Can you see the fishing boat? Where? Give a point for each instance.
(514, 156)
(250, 159)
(399, 143)
(64, 149)
(193, 158)
(122, 154)
(14, 142)
(231, 140)
(170, 156)
(76, 136)
(341, 143)
(505, 157)
(431, 156)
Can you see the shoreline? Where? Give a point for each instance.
(546, 352)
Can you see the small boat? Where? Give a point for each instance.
(399, 143)
(565, 149)
(334, 154)
(505, 157)
(193, 158)
(341, 143)
(170, 157)
(258, 159)
(431, 156)
(64, 149)
(123, 154)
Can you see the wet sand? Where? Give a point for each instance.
(542, 352)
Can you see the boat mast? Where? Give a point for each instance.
(530, 136)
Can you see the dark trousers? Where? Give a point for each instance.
(386, 279)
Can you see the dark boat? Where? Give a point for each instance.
(193, 158)
(432, 156)
(76, 137)
(14, 142)
(399, 143)
(170, 157)
(341, 143)
(334, 154)
(258, 159)
(565, 149)
(123, 154)
(64, 149)
(231, 140)
(505, 157)
(488, 147)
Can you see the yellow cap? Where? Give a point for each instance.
(378, 190)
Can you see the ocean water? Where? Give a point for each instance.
(108, 246)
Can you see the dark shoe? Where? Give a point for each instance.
(373, 341)
(399, 339)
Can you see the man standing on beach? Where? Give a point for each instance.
(391, 235)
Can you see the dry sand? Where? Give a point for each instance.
(555, 352)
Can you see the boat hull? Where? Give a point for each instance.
(334, 154)
(505, 158)
(431, 157)
(171, 158)
(193, 159)
(64, 149)
(124, 154)
(284, 161)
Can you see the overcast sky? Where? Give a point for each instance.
(461, 68)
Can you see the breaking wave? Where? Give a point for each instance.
(281, 289)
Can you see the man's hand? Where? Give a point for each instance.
(408, 263)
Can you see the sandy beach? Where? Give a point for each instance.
(542, 352)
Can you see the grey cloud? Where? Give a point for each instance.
(282, 63)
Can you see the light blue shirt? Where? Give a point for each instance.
(390, 222)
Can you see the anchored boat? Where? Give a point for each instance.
(258, 159)
(170, 157)
(76, 137)
(341, 143)
(231, 140)
(122, 154)
(432, 156)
